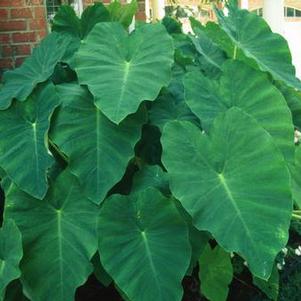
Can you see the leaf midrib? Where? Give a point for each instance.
(151, 262)
(234, 204)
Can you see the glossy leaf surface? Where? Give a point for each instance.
(59, 238)
(98, 149)
(137, 66)
(229, 181)
(243, 87)
(19, 83)
(143, 238)
(252, 36)
(24, 140)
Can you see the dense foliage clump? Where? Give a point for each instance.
(142, 155)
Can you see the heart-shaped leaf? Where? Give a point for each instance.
(99, 150)
(10, 254)
(143, 238)
(251, 91)
(234, 183)
(252, 36)
(23, 140)
(19, 83)
(126, 69)
(59, 238)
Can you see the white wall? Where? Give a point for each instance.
(292, 32)
(274, 15)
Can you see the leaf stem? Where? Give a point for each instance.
(235, 52)
(296, 216)
(62, 155)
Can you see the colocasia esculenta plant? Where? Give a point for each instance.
(140, 156)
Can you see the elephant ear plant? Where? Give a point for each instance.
(144, 156)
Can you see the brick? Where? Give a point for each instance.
(12, 25)
(6, 51)
(4, 38)
(39, 12)
(41, 34)
(22, 37)
(22, 49)
(11, 3)
(19, 61)
(38, 24)
(3, 13)
(6, 63)
(141, 16)
(21, 13)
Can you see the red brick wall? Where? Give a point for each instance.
(22, 25)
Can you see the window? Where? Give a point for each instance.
(52, 8)
(291, 12)
(54, 5)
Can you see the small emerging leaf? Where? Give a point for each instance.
(215, 273)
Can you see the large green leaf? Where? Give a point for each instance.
(234, 183)
(252, 36)
(99, 150)
(66, 19)
(59, 238)
(144, 246)
(121, 70)
(216, 273)
(10, 254)
(23, 140)
(19, 83)
(251, 91)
